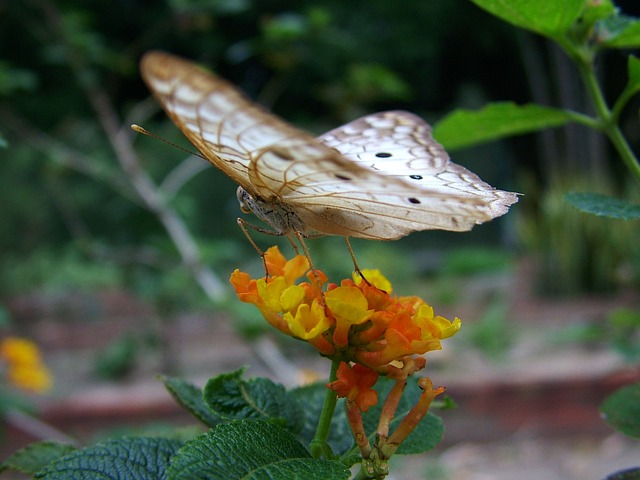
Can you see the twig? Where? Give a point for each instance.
(36, 428)
(120, 139)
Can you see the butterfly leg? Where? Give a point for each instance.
(243, 224)
(295, 247)
(300, 238)
(353, 259)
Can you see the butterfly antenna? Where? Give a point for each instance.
(138, 129)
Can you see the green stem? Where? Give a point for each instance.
(608, 121)
(319, 446)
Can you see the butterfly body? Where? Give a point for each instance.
(380, 177)
(282, 219)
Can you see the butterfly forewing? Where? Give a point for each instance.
(228, 129)
(379, 177)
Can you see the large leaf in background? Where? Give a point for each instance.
(463, 128)
(36, 456)
(620, 31)
(549, 18)
(250, 449)
(141, 458)
(424, 437)
(190, 397)
(603, 205)
(628, 474)
(231, 397)
(312, 396)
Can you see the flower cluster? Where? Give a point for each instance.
(356, 321)
(23, 366)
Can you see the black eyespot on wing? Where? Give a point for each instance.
(342, 177)
(383, 154)
(414, 200)
(415, 177)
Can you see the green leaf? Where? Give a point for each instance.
(231, 397)
(312, 397)
(597, 11)
(621, 410)
(190, 397)
(628, 474)
(463, 128)
(603, 205)
(250, 450)
(547, 18)
(633, 69)
(424, 437)
(619, 31)
(141, 458)
(36, 456)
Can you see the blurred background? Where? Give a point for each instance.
(116, 249)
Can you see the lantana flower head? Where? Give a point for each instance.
(355, 321)
(22, 365)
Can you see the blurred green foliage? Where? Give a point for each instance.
(573, 252)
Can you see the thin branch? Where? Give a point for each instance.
(121, 142)
(37, 428)
(180, 175)
(120, 139)
(63, 155)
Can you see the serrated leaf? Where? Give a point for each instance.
(312, 397)
(424, 437)
(621, 410)
(462, 128)
(135, 458)
(231, 397)
(191, 398)
(628, 474)
(36, 456)
(250, 450)
(547, 18)
(603, 205)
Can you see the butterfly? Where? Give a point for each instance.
(379, 177)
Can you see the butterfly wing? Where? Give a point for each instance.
(229, 130)
(338, 184)
(409, 183)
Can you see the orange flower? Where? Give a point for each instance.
(354, 383)
(356, 320)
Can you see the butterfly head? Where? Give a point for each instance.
(244, 199)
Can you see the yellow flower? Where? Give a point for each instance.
(349, 307)
(23, 365)
(357, 320)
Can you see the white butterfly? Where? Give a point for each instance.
(380, 177)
